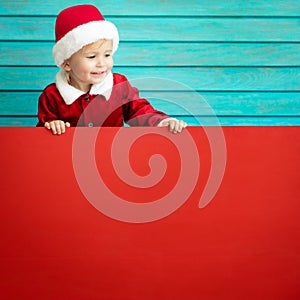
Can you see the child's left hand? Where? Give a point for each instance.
(174, 125)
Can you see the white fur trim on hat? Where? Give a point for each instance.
(83, 35)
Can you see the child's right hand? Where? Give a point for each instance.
(57, 126)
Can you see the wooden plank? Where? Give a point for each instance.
(160, 8)
(158, 54)
(220, 121)
(172, 78)
(184, 103)
(18, 121)
(174, 29)
(226, 104)
(18, 103)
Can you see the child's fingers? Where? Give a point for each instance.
(62, 128)
(171, 125)
(53, 127)
(47, 125)
(181, 125)
(57, 126)
(176, 126)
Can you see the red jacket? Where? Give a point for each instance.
(124, 105)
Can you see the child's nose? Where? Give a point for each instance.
(100, 62)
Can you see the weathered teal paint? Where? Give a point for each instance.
(185, 29)
(160, 8)
(242, 57)
(153, 54)
(196, 78)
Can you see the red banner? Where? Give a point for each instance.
(139, 213)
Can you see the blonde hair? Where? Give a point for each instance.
(92, 46)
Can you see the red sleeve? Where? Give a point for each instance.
(138, 111)
(47, 108)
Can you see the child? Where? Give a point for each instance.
(86, 92)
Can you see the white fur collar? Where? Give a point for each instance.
(70, 93)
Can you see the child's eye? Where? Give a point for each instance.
(91, 56)
(107, 55)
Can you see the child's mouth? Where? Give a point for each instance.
(98, 73)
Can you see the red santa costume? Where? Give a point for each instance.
(109, 103)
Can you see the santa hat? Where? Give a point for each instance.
(78, 26)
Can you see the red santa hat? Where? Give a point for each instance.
(78, 26)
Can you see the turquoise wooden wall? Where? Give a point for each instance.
(242, 57)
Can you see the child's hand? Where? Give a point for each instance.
(174, 125)
(57, 126)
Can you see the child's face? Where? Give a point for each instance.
(90, 65)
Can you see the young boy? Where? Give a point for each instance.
(86, 92)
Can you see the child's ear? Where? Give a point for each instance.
(66, 66)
